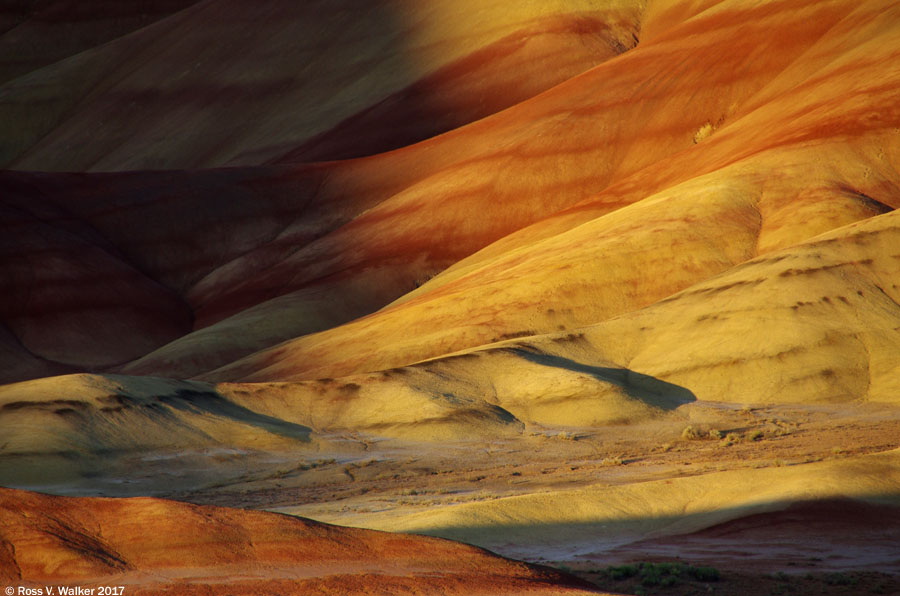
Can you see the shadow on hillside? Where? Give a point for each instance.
(649, 389)
(825, 535)
(207, 402)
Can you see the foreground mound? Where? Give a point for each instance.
(204, 550)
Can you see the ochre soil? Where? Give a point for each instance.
(420, 475)
(830, 548)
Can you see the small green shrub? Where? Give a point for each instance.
(840, 579)
(730, 439)
(621, 572)
(661, 574)
(704, 574)
(690, 433)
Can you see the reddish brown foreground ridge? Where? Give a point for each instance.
(155, 546)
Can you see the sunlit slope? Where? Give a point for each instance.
(85, 418)
(813, 323)
(595, 139)
(595, 518)
(191, 548)
(607, 266)
(224, 81)
(65, 427)
(816, 322)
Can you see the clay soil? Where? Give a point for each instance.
(800, 552)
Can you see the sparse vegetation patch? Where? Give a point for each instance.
(638, 577)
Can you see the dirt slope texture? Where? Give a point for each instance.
(105, 542)
(731, 130)
(277, 229)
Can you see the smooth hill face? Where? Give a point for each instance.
(813, 323)
(302, 250)
(518, 166)
(234, 240)
(767, 193)
(105, 541)
(225, 82)
(611, 210)
(565, 279)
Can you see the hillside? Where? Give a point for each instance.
(573, 280)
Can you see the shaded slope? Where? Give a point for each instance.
(103, 541)
(289, 72)
(86, 282)
(36, 33)
(834, 534)
(68, 296)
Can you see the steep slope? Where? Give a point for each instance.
(606, 139)
(820, 152)
(224, 227)
(816, 322)
(104, 541)
(226, 82)
(607, 266)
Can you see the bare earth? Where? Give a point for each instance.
(607, 286)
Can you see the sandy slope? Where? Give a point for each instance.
(301, 250)
(570, 524)
(773, 189)
(105, 542)
(470, 271)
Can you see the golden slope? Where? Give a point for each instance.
(63, 427)
(816, 322)
(792, 176)
(590, 520)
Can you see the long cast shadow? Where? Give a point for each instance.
(656, 392)
(207, 402)
(831, 533)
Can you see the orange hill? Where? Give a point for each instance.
(92, 542)
(777, 120)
